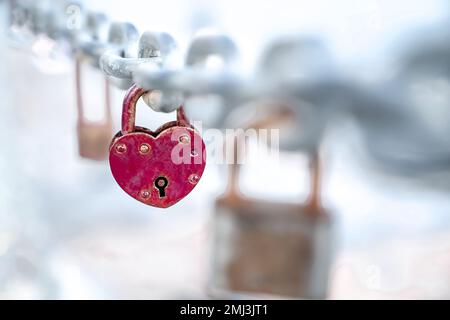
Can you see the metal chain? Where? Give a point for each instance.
(294, 71)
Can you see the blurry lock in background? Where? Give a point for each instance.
(94, 137)
(270, 248)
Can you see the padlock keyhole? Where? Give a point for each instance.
(161, 184)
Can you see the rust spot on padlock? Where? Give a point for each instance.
(155, 179)
(194, 153)
(121, 148)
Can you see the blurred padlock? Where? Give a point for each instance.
(94, 137)
(270, 248)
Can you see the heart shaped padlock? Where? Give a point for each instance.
(157, 168)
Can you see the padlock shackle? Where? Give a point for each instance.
(129, 109)
(79, 94)
(314, 198)
(233, 190)
(313, 202)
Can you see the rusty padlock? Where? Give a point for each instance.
(159, 167)
(93, 136)
(270, 248)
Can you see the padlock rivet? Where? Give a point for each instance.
(145, 194)
(121, 148)
(184, 139)
(144, 148)
(194, 178)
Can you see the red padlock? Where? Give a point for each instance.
(157, 168)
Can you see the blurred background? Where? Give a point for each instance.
(369, 87)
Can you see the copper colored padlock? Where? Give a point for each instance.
(158, 168)
(270, 248)
(94, 137)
